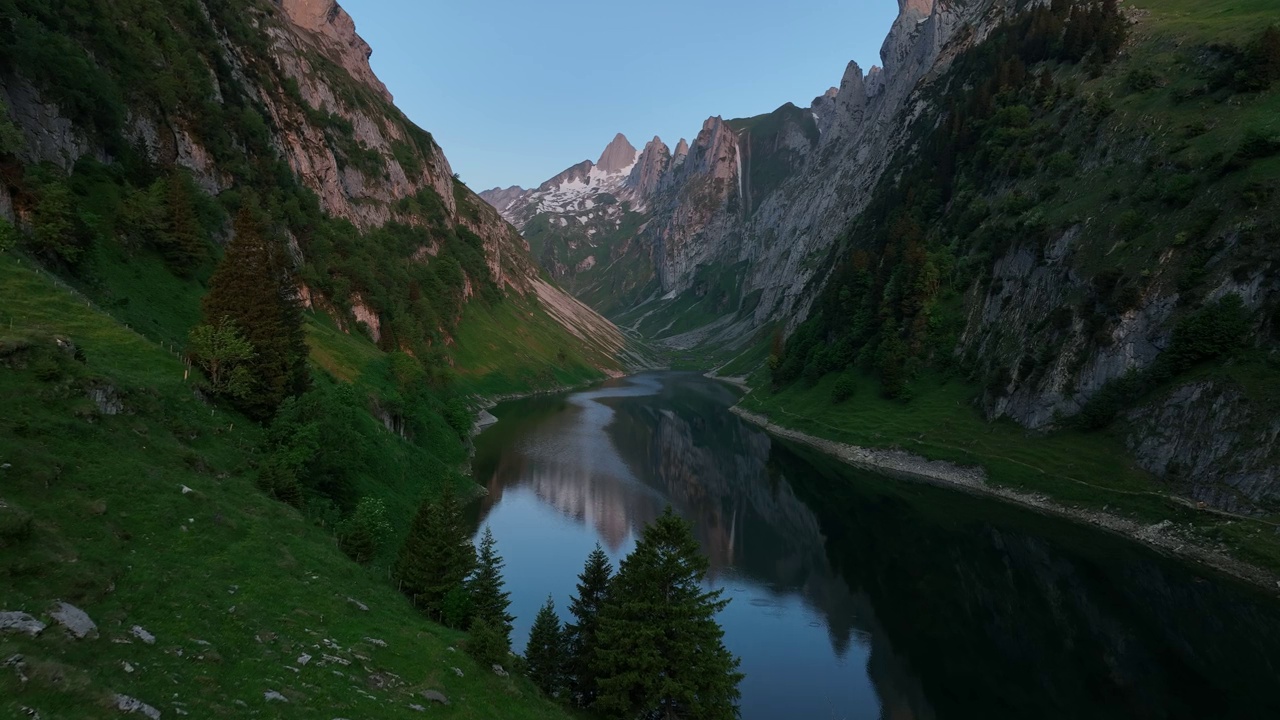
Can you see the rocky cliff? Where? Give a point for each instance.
(997, 188)
(755, 203)
(291, 77)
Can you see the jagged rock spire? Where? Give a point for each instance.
(618, 156)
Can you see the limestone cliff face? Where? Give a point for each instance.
(331, 119)
(651, 167)
(1209, 442)
(333, 29)
(617, 156)
(768, 196)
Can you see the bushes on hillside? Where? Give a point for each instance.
(362, 534)
(1257, 68)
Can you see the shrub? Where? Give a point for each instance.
(1210, 333)
(844, 388)
(16, 526)
(363, 534)
(1131, 224)
(1142, 79)
(486, 644)
(1061, 164)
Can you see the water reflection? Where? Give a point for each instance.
(856, 596)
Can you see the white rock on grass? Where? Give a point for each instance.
(75, 620)
(458, 671)
(143, 635)
(376, 641)
(435, 696)
(126, 704)
(20, 622)
(272, 695)
(499, 671)
(303, 659)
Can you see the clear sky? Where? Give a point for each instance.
(517, 90)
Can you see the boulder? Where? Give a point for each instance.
(75, 620)
(435, 696)
(20, 622)
(143, 635)
(126, 704)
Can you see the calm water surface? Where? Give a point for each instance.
(857, 596)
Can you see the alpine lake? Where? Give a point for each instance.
(855, 595)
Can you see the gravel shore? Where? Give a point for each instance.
(1165, 537)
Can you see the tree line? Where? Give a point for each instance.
(641, 642)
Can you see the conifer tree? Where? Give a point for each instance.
(489, 601)
(184, 246)
(581, 633)
(253, 286)
(546, 656)
(487, 645)
(437, 555)
(661, 652)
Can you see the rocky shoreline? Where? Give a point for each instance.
(1159, 536)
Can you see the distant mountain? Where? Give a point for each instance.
(1035, 195)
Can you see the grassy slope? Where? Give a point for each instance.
(223, 565)
(515, 347)
(1090, 470)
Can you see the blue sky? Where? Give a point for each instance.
(517, 90)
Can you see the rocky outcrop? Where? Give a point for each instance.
(763, 198)
(333, 29)
(650, 168)
(331, 120)
(681, 152)
(503, 198)
(618, 155)
(1210, 443)
(50, 137)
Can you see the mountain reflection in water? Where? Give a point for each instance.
(858, 596)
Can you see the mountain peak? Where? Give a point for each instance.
(335, 32)
(618, 156)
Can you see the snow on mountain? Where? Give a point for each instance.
(578, 192)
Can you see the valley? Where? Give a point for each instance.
(253, 322)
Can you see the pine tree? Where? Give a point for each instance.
(547, 654)
(253, 286)
(661, 652)
(581, 634)
(486, 644)
(222, 352)
(489, 601)
(184, 245)
(437, 555)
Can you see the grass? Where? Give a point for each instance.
(234, 586)
(515, 347)
(941, 422)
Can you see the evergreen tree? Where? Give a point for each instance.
(437, 555)
(487, 645)
(581, 634)
(253, 286)
(661, 652)
(222, 352)
(183, 246)
(546, 656)
(489, 601)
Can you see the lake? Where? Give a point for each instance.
(860, 596)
